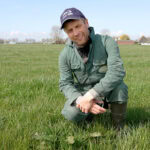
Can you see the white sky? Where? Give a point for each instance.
(34, 18)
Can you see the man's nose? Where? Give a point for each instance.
(75, 32)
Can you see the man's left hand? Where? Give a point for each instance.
(85, 102)
(84, 105)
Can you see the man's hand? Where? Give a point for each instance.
(84, 105)
(96, 109)
(85, 102)
(90, 106)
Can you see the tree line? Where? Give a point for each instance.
(56, 37)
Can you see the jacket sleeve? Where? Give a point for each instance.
(115, 73)
(66, 81)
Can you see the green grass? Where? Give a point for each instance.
(30, 103)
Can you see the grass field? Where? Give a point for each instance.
(30, 103)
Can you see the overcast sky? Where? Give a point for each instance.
(34, 18)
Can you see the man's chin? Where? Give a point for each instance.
(79, 44)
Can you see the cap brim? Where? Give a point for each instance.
(69, 18)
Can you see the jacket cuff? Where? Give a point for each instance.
(93, 93)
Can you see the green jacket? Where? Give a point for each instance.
(102, 73)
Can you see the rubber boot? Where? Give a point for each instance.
(118, 114)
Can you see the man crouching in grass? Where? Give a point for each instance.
(91, 72)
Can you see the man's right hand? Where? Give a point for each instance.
(96, 109)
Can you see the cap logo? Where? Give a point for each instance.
(67, 13)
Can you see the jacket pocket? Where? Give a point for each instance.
(98, 71)
(100, 67)
(78, 73)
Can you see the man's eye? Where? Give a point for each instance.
(69, 31)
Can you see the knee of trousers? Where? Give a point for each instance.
(119, 94)
(73, 114)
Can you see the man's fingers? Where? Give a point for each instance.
(94, 111)
(78, 106)
(97, 108)
(98, 101)
(84, 110)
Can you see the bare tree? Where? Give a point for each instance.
(57, 35)
(143, 39)
(1, 41)
(105, 32)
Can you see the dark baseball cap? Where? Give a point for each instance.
(70, 14)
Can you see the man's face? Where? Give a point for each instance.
(77, 31)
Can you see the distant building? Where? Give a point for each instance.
(144, 40)
(125, 42)
(30, 41)
(12, 42)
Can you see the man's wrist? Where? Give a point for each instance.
(88, 96)
(93, 93)
(78, 99)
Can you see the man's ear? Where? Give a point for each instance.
(86, 22)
